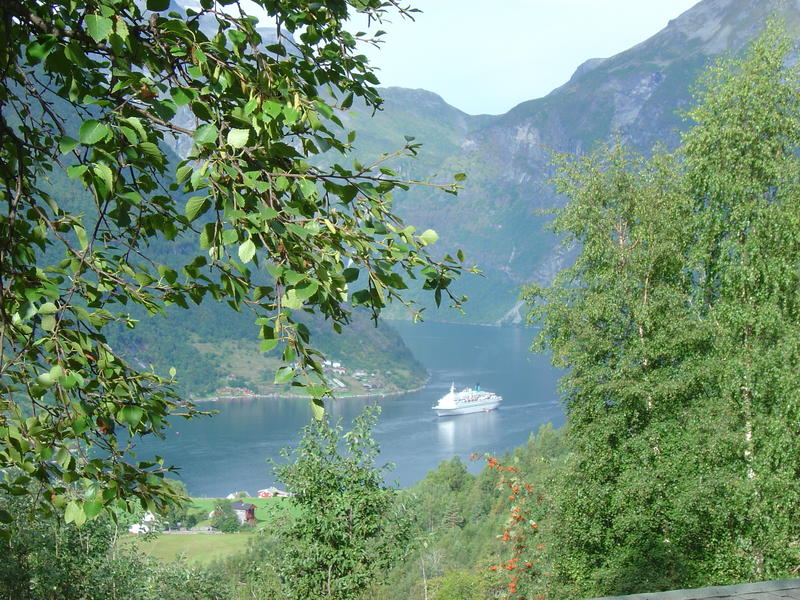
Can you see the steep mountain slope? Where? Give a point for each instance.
(497, 219)
(211, 345)
(637, 94)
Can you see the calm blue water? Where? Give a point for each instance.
(228, 451)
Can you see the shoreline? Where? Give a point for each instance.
(274, 395)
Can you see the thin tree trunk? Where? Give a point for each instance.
(424, 578)
(646, 365)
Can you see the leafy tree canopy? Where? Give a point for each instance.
(280, 221)
(349, 527)
(678, 324)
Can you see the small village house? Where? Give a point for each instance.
(245, 512)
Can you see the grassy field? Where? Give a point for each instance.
(267, 509)
(206, 548)
(199, 548)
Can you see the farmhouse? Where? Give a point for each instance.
(245, 512)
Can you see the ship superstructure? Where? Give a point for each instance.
(468, 400)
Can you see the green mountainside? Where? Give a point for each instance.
(212, 346)
(497, 219)
(638, 95)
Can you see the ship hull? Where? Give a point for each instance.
(465, 410)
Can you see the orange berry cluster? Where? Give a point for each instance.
(520, 517)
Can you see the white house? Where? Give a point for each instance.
(146, 524)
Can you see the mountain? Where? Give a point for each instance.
(496, 220)
(637, 94)
(212, 346)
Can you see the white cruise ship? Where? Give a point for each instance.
(466, 401)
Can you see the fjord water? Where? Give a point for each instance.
(228, 452)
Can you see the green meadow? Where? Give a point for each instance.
(205, 548)
(198, 548)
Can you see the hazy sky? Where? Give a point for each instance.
(486, 57)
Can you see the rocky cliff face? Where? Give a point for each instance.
(498, 219)
(638, 94)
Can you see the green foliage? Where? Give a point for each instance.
(452, 474)
(349, 526)
(456, 561)
(176, 515)
(191, 519)
(616, 319)
(459, 585)
(224, 518)
(89, 93)
(256, 570)
(45, 558)
(678, 327)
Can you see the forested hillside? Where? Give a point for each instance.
(188, 341)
